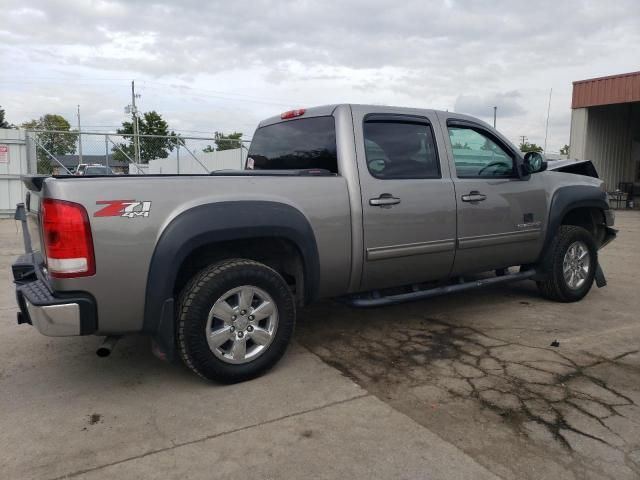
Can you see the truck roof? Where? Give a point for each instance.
(325, 110)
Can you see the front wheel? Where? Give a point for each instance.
(235, 320)
(571, 263)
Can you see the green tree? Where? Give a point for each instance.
(530, 147)
(564, 150)
(51, 140)
(176, 140)
(3, 122)
(222, 142)
(151, 148)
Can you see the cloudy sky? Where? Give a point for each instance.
(208, 65)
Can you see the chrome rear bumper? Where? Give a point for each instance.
(53, 313)
(61, 320)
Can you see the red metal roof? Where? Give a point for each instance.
(621, 88)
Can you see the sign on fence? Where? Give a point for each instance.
(4, 153)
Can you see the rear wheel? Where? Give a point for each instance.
(571, 263)
(235, 320)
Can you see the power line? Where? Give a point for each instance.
(224, 95)
(184, 90)
(235, 97)
(221, 93)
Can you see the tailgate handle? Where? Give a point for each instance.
(384, 200)
(473, 196)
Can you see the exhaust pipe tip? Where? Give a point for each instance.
(103, 352)
(107, 346)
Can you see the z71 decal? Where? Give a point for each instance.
(123, 208)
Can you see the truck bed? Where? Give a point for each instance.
(322, 199)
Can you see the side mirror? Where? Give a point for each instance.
(534, 162)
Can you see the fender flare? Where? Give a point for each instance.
(570, 198)
(216, 222)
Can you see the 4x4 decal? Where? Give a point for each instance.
(123, 208)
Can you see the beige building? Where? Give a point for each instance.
(605, 127)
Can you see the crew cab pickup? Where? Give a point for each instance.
(373, 205)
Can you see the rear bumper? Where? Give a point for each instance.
(55, 314)
(60, 320)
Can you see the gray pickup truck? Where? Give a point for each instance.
(372, 205)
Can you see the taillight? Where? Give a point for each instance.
(67, 239)
(292, 114)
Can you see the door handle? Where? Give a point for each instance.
(384, 200)
(473, 196)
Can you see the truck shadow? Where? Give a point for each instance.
(73, 362)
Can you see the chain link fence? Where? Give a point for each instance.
(87, 153)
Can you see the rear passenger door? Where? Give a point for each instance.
(408, 201)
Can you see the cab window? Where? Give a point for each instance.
(477, 155)
(400, 150)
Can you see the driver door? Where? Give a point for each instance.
(499, 215)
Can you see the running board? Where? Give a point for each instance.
(371, 301)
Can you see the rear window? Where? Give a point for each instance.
(295, 145)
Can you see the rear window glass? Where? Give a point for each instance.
(399, 149)
(295, 145)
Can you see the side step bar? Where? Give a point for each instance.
(378, 301)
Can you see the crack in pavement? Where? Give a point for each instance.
(520, 383)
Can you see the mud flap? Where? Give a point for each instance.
(600, 280)
(163, 341)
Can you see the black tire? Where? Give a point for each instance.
(555, 287)
(197, 299)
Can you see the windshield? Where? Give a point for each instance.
(295, 145)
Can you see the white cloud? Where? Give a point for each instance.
(224, 65)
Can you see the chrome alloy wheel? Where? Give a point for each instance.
(242, 324)
(576, 265)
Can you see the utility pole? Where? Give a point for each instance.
(136, 132)
(178, 159)
(495, 111)
(546, 130)
(523, 138)
(79, 138)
